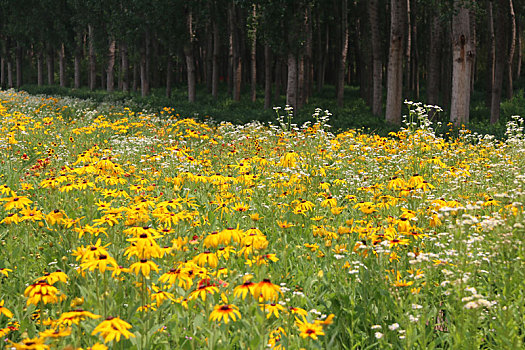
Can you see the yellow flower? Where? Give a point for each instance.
(102, 263)
(5, 271)
(225, 312)
(112, 328)
(56, 333)
(30, 344)
(206, 258)
(42, 292)
(243, 289)
(311, 330)
(266, 290)
(272, 309)
(4, 310)
(74, 317)
(16, 202)
(144, 267)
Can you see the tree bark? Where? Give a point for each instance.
(236, 51)
(62, 65)
(308, 54)
(92, 59)
(395, 62)
(215, 63)
(267, 77)
(10, 73)
(278, 79)
(40, 68)
(50, 60)
(491, 54)
(169, 68)
(500, 58)
(343, 54)
(18, 65)
(434, 57)
(519, 37)
(144, 76)
(377, 62)
(77, 62)
(124, 66)
(190, 59)
(408, 48)
(512, 47)
(2, 72)
(111, 65)
(462, 59)
(291, 90)
(253, 56)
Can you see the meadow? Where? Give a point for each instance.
(132, 229)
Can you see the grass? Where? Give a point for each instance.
(142, 229)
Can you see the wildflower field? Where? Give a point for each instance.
(128, 229)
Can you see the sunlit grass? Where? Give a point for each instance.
(148, 230)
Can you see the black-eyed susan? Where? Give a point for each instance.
(144, 267)
(112, 328)
(203, 290)
(272, 309)
(309, 330)
(266, 290)
(74, 317)
(224, 312)
(16, 202)
(30, 344)
(41, 291)
(248, 287)
(5, 311)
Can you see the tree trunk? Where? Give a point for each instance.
(77, 61)
(308, 56)
(512, 47)
(434, 57)
(40, 68)
(500, 58)
(343, 54)
(10, 73)
(215, 63)
(377, 62)
(144, 76)
(2, 72)
(50, 59)
(491, 55)
(190, 59)
(236, 50)
(62, 65)
(92, 59)
(124, 66)
(111, 65)
(278, 79)
(209, 59)
(300, 83)
(267, 77)
(169, 68)
(395, 61)
(519, 37)
(408, 48)
(253, 58)
(18, 65)
(103, 77)
(291, 91)
(135, 77)
(462, 58)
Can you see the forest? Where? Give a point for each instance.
(436, 51)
